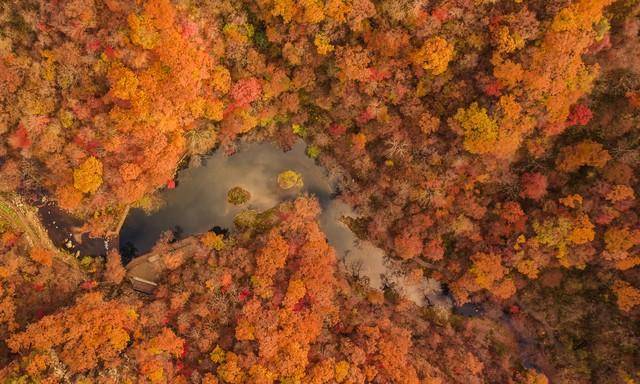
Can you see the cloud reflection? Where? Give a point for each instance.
(200, 203)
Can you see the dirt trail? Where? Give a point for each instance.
(24, 218)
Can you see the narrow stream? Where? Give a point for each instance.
(199, 203)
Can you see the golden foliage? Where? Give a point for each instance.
(221, 79)
(586, 152)
(628, 296)
(434, 55)
(42, 256)
(290, 179)
(582, 231)
(480, 130)
(323, 44)
(88, 177)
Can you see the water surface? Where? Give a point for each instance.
(199, 203)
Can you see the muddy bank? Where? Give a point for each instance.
(62, 229)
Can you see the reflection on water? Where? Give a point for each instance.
(200, 202)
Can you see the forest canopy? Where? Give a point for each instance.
(489, 146)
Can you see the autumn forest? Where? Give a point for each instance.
(385, 191)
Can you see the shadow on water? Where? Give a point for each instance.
(469, 310)
(63, 229)
(199, 204)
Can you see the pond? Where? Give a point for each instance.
(64, 231)
(199, 203)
